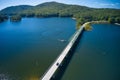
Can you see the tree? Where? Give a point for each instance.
(3, 18)
(15, 18)
(117, 19)
(111, 20)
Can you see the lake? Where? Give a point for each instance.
(97, 56)
(29, 47)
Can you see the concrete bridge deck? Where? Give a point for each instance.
(50, 72)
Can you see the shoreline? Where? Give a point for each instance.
(117, 24)
(73, 18)
(99, 22)
(88, 27)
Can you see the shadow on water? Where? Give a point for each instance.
(62, 68)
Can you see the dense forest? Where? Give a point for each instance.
(3, 18)
(54, 9)
(15, 18)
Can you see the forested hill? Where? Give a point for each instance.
(45, 9)
(54, 9)
(15, 9)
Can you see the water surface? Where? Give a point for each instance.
(29, 47)
(97, 56)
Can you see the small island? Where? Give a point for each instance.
(15, 18)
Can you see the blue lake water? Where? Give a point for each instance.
(97, 56)
(29, 47)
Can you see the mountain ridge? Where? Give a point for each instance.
(56, 9)
(12, 9)
(20, 8)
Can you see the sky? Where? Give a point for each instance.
(89, 3)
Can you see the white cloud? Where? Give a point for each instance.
(109, 4)
(105, 5)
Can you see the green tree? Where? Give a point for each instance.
(117, 19)
(111, 20)
(15, 18)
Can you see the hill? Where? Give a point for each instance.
(44, 9)
(14, 9)
(55, 9)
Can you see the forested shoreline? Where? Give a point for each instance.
(82, 14)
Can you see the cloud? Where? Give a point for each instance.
(109, 4)
(106, 5)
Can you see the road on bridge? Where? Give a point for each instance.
(50, 72)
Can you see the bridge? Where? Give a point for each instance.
(58, 62)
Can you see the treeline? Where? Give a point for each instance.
(3, 18)
(54, 9)
(15, 18)
(82, 20)
(110, 15)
